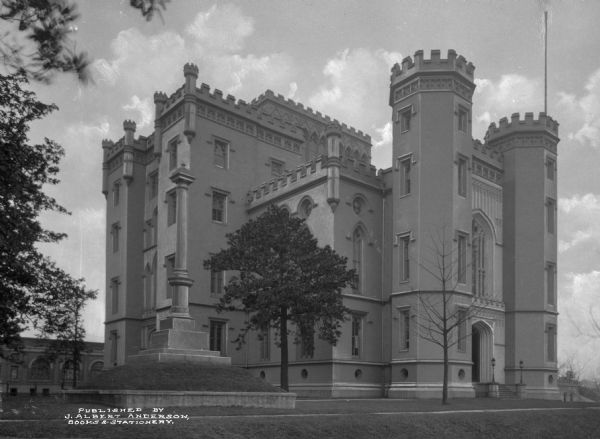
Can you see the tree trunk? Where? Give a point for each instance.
(445, 317)
(284, 350)
(445, 385)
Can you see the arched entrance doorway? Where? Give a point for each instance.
(482, 352)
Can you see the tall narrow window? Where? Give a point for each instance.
(170, 265)
(356, 335)
(357, 259)
(171, 208)
(405, 116)
(404, 258)
(153, 189)
(550, 168)
(219, 200)
(221, 156)
(116, 193)
(114, 337)
(148, 304)
(461, 316)
(550, 284)
(462, 177)
(265, 344)
(216, 282)
(463, 118)
(114, 291)
(404, 329)
(172, 151)
(462, 259)
(14, 373)
(550, 215)
(307, 340)
(405, 165)
(551, 343)
(115, 228)
(276, 168)
(478, 260)
(217, 336)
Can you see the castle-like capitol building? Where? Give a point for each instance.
(213, 162)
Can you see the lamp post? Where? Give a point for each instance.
(493, 367)
(521, 367)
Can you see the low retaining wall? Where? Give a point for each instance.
(170, 398)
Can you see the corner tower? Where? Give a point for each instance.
(529, 148)
(432, 146)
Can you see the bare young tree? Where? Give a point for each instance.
(442, 319)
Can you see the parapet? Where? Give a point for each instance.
(307, 111)
(517, 125)
(412, 66)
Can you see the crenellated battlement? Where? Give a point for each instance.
(435, 63)
(290, 180)
(308, 111)
(518, 125)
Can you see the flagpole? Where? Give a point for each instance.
(546, 62)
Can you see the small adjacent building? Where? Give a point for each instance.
(32, 371)
(490, 203)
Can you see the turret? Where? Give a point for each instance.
(529, 203)
(129, 128)
(333, 133)
(190, 71)
(159, 104)
(106, 147)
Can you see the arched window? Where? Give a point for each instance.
(357, 205)
(481, 259)
(358, 244)
(69, 371)
(96, 368)
(305, 208)
(40, 369)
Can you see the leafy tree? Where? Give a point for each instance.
(61, 320)
(30, 284)
(284, 277)
(37, 41)
(439, 319)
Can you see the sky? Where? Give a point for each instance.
(335, 56)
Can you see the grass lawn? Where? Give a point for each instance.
(322, 419)
(178, 376)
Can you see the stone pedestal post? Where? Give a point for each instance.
(177, 339)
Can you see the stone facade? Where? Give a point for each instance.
(490, 204)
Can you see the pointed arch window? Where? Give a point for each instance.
(358, 244)
(481, 259)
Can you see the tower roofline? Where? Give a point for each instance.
(518, 125)
(435, 63)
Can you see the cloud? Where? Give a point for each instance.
(587, 202)
(144, 108)
(348, 93)
(576, 321)
(511, 93)
(141, 64)
(385, 135)
(583, 112)
(221, 28)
